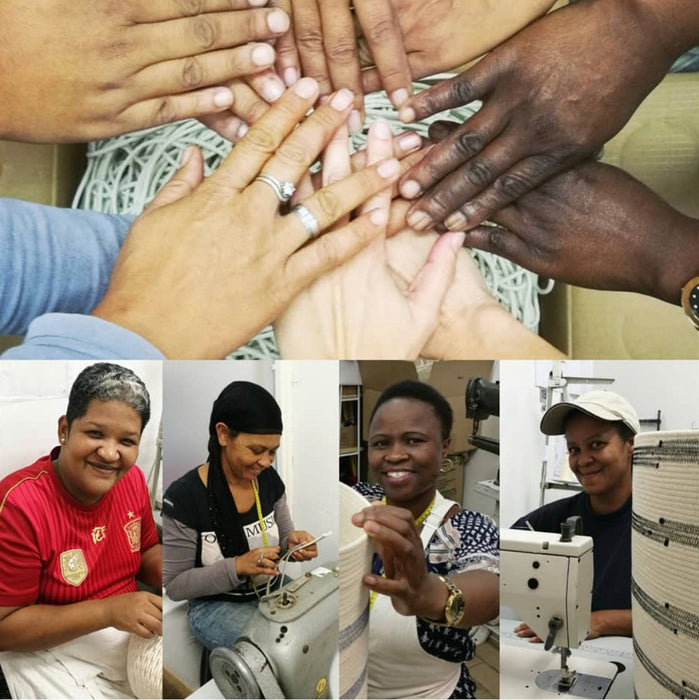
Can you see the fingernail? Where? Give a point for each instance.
(355, 121)
(389, 168)
(273, 90)
(399, 96)
(306, 87)
(419, 221)
(278, 21)
(357, 519)
(378, 217)
(257, 3)
(242, 130)
(342, 100)
(223, 97)
(381, 130)
(263, 55)
(410, 189)
(457, 241)
(186, 155)
(407, 115)
(455, 221)
(291, 76)
(409, 142)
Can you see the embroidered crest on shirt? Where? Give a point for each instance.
(133, 532)
(98, 533)
(73, 567)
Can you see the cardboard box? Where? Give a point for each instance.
(660, 147)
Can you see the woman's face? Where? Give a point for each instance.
(245, 455)
(406, 448)
(98, 449)
(598, 456)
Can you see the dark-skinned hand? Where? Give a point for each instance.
(596, 226)
(552, 95)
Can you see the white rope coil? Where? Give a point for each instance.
(144, 666)
(124, 173)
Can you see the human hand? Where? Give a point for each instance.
(261, 561)
(322, 44)
(413, 590)
(140, 613)
(439, 35)
(78, 70)
(553, 94)
(524, 630)
(596, 226)
(297, 537)
(360, 310)
(211, 264)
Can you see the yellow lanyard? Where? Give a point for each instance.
(259, 514)
(418, 522)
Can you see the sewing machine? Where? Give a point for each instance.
(287, 647)
(547, 579)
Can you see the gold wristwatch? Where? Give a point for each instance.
(454, 608)
(690, 300)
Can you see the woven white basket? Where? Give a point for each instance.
(665, 564)
(144, 666)
(355, 561)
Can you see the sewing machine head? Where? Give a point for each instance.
(287, 646)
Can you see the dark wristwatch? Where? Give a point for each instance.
(690, 300)
(454, 608)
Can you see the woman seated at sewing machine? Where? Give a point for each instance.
(77, 532)
(226, 521)
(599, 428)
(436, 571)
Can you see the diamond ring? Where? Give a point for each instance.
(283, 190)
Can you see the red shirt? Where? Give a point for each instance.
(56, 550)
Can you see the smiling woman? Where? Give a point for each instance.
(77, 532)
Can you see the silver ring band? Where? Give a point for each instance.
(259, 560)
(307, 219)
(283, 190)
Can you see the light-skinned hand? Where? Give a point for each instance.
(261, 561)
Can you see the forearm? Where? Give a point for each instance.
(37, 627)
(151, 571)
(680, 259)
(610, 623)
(285, 524)
(220, 577)
(673, 24)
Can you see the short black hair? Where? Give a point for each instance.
(105, 381)
(419, 391)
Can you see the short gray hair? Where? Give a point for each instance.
(105, 381)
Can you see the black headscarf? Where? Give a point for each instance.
(245, 408)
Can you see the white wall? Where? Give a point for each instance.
(671, 386)
(34, 395)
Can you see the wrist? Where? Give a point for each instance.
(680, 262)
(431, 601)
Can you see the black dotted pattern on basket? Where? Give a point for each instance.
(670, 616)
(674, 451)
(681, 689)
(666, 531)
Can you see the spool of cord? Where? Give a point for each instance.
(144, 666)
(124, 173)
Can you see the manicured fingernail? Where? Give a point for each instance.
(223, 97)
(306, 87)
(455, 221)
(186, 155)
(419, 221)
(242, 130)
(378, 217)
(291, 76)
(263, 55)
(407, 115)
(273, 90)
(457, 241)
(342, 100)
(278, 21)
(355, 121)
(409, 142)
(389, 168)
(381, 130)
(257, 3)
(410, 189)
(398, 97)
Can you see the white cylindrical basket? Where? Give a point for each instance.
(665, 564)
(144, 666)
(355, 561)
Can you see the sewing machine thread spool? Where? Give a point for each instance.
(665, 564)
(355, 561)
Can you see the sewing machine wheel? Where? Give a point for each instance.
(232, 675)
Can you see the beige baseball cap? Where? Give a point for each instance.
(605, 405)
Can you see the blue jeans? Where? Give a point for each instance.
(218, 623)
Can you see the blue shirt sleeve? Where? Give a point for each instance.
(54, 259)
(77, 337)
